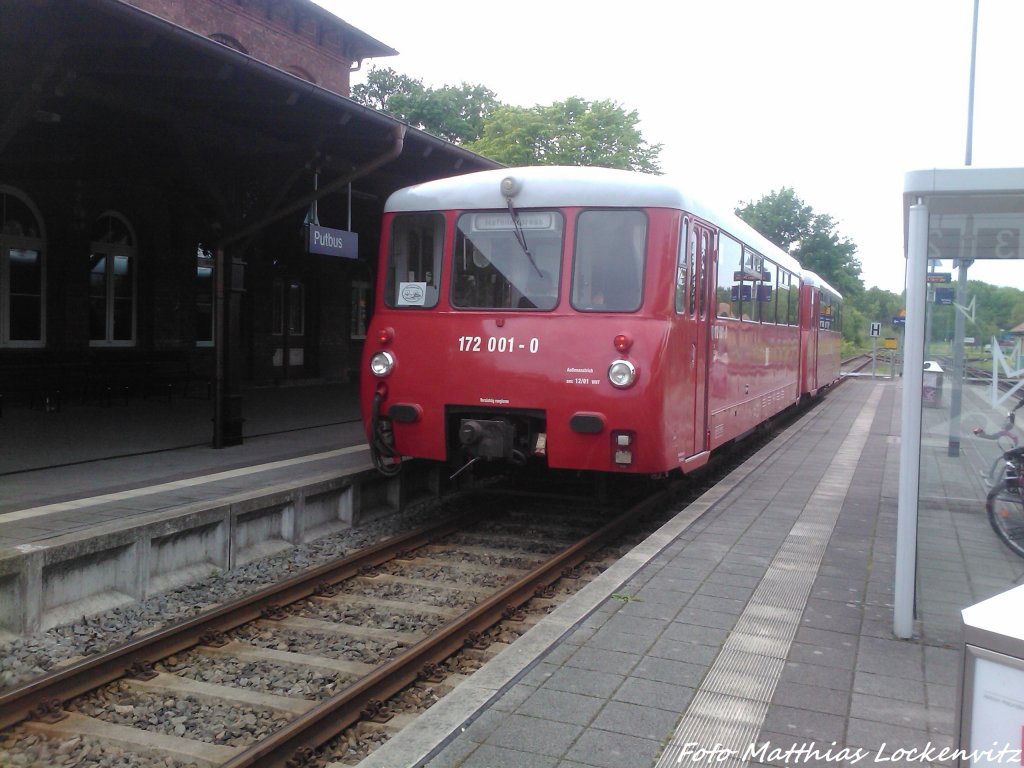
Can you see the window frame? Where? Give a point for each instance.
(391, 284)
(574, 301)
(20, 242)
(111, 252)
(500, 273)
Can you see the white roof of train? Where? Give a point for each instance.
(559, 186)
(814, 279)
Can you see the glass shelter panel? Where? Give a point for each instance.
(963, 376)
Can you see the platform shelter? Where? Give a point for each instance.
(963, 237)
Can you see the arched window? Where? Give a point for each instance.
(229, 41)
(301, 72)
(112, 270)
(22, 274)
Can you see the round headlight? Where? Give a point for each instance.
(382, 363)
(622, 374)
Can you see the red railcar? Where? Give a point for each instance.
(583, 318)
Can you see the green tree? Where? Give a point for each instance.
(570, 132)
(810, 237)
(456, 113)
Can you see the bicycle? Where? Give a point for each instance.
(1005, 502)
(1007, 439)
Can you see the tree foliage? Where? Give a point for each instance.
(996, 309)
(570, 132)
(810, 237)
(453, 112)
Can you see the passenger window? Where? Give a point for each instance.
(794, 302)
(765, 309)
(730, 255)
(825, 317)
(608, 266)
(702, 266)
(782, 298)
(414, 260)
(492, 270)
(682, 274)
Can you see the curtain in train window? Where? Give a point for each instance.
(414, 260)
(493, 269)
(608, 266)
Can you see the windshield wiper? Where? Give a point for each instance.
(521, 237)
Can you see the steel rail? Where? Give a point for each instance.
(289, 745)
(52, 690)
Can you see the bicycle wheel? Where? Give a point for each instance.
(1006, 514)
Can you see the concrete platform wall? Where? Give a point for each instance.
(42, 586)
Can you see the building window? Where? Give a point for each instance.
(112, 270)
(22, 275)
(204, 296)
(289, 302)
(229, 41)
(360, 309)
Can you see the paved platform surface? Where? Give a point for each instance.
(753, 629)
(88, 465)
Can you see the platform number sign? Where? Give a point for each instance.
(876, 330)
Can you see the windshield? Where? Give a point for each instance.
(609, 264)
(492, 270)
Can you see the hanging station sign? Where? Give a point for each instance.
(332, 242)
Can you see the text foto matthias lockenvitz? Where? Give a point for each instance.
(807, 752)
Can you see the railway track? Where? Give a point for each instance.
(295, 674)
(270, 679)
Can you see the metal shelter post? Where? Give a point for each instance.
(910, 437)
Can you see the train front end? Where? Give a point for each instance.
(512, 333)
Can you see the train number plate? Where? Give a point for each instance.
(498, 344)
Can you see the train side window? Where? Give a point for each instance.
(782, 297)
(794, 302)
(608, 266)
(414, 260)
(765, 305)
(702, 272)
(692, 303)
(682, 273)
(730, 255)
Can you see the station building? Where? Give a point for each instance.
(161, 165)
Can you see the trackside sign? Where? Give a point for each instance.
(333, 242)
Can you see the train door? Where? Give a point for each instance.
(701, 257)
(813, 322)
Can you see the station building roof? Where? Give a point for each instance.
(99, 89)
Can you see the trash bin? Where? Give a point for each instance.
(931, 389)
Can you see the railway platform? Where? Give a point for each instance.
(101, 507)
(761, 614)
(754, 628)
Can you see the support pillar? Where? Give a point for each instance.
(910, 437)
(229, 280)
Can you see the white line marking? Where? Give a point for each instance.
(67, 506)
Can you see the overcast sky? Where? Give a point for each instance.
(835, 98)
